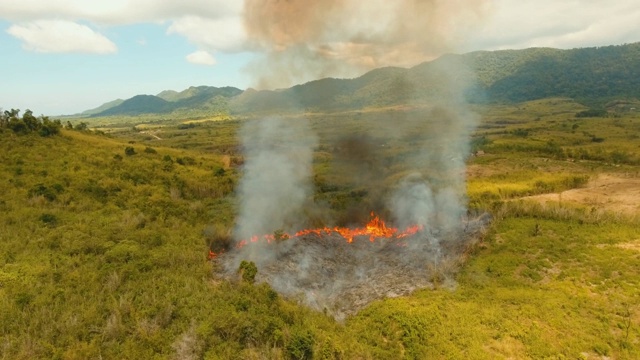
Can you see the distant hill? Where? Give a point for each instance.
(139, 104)
(589, 75)
(102, 108)
(206, 98)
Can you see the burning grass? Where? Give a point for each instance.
(341, 270)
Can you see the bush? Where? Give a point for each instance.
(300, 345)
(248, 271)
(129, 150)
(592, 113)
(186, 126)
(521, 133)
(49, 219)
(41, 190)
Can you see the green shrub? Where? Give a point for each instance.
(49, 219)
(300, 344)
(592, 113)
(248, 271)
(41, 190)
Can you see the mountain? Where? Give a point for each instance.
(139, 104)
(206, 98)
(102, 107)
(589, 75)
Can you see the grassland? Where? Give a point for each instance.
(103, 250)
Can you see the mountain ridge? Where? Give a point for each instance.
(589, 75)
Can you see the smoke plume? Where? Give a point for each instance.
(305, 40)
(408, 165)
(276, 177)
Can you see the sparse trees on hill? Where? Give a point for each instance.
(28, 123)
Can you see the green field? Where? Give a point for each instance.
(104, 238)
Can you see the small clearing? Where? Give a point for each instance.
(609, 192)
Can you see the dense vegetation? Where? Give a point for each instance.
(28, 123)
(592, 76)
(207, 99)
(104, 242)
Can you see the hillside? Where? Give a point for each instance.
(205, 98)
(104, 243)
(589, 75)
(102, 108)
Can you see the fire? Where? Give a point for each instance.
(374, 229)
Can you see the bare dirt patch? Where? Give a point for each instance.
(609, 192)
(633, 245)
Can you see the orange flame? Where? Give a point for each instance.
(374, 229)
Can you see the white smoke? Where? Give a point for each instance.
(276, 179)
(421, 180)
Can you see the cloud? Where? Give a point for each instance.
(213, 25)
(201, 57)
(217, 25)
(225, 34)
(61, 36)
(117, 12)
(549, 23)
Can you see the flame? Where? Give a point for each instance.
(374, 229)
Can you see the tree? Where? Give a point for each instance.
(30, 121)
(49, 127)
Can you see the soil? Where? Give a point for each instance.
(610, 192)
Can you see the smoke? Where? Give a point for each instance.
(276, 181)
(412, 163)
(304, 40)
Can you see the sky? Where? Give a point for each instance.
(66, 56)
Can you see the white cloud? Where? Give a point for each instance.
(121, 12)
(561, 24)
(214, 25)
(201, 57)
(61, 36)
(217, 25)
(225, 34)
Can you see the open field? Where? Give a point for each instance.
(611, 193)
(103, 251)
